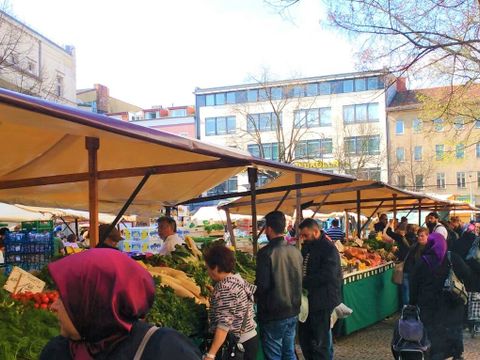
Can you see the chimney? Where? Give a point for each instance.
(401, 83)
(103, 99)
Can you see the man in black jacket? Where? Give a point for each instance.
(323, 280)
(279, 289)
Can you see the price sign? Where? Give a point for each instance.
(22, 281)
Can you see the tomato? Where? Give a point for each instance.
(43, 306)
(36, 305)
(51, 296)
(45, 299)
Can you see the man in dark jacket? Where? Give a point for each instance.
(279, 289)
(323, 280)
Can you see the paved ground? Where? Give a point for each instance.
(373, 343)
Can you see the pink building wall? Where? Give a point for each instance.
(180, 129)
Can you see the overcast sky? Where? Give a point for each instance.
(152, 52)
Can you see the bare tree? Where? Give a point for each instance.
(358, 151)
(425, 39)
(269, 123)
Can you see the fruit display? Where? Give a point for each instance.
(41, 300)
(372, 253)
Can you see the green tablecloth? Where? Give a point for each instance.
(371, 295)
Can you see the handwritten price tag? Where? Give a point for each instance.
(22, 281)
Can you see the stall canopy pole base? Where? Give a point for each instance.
(92, 145)
(252, 179)
(276, 208)
(230, 228)
(127, 204)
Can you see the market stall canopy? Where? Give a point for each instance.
(45, 162)
(374, 196)
(212, 213)
(14, 214)
(69, 215)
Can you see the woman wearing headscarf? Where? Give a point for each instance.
(103, 296)
(442, 317)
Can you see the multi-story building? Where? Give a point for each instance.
(98, 100)
(179, 120)
(32, 64)
(431, 153)
(336, 123)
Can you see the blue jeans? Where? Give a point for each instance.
(278, 339)
(405, 289)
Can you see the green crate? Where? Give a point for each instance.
(29, 226)
(44, 225)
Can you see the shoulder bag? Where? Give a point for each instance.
(397, 275)
(474, 252)
(453, 286)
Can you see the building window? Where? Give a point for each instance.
(231, 99)
(313, 118)
(59, 86)
(417, 125)
(399, 127)
(477, 150)
(229, 186)
(360, 84)
(400, 152)
(263, 179)
(417, 153)
(459, 151)
(270, 151)
(401, 181)
(220, 125)
(459, 123)
(438, 124)
(312, 89)
(347, 86)
(252, 95)
(439, 151)
(210, 100)
(313, 149)
(367, 174)
(178, 112)
(220, 99)
(262, 122)
(461, 180)
(360, 113)
(359, 145)
(419, 182)
(441, 181)
(151, 115)
(324, 88)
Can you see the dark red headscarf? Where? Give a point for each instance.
(104, 292)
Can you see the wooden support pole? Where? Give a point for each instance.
(370, 217)
(252, 180)
(93, 144)
(347, 224)
(320, 205)
(419, 212)
(126, 205)
(76, 227)
(230, 228)
(168, 211)
(359, 210)
(298, 207)
(394, 206)
(276, 208)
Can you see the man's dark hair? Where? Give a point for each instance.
(335, 222)
(309, 223)
(169, 220)
(221, 256)
(276, 221)
(434, 214)
(404, 219)
(4, 231)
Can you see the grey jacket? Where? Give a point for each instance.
(278, 280)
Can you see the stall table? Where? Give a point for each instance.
(371, 295)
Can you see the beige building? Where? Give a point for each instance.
(32, 64)
(98, 100)
(432, 155)
(336, 123)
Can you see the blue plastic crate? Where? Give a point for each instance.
(28, 250)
